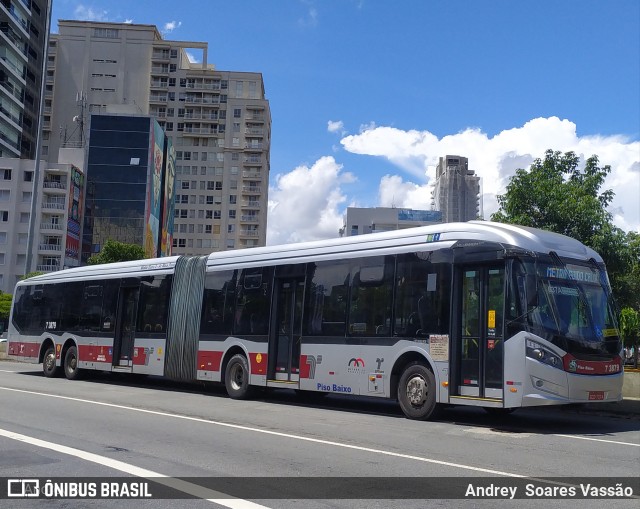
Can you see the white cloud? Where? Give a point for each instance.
(128, 21)
(304, 204)
(171, 26)
(192, 58)
(495, 159)
(336, 127)
(84, 13)
(395, 192)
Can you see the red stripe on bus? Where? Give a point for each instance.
(22, 349)
(258, 363)
(209, 361)
(304, 367)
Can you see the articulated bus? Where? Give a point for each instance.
(478, 313)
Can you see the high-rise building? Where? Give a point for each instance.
(359, 221)
(456, 190)
(130, 185)
(24, 27)
(219, 122)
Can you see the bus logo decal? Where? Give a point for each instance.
(357, 363)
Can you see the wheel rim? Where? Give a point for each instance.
(237, 377)
(417, 390)
(73, 363)
(49, 361)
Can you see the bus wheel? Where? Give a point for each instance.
(71, 369)
(236, 378)
(416, 392)
(49, 367)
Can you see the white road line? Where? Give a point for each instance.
(279, 434)
(597, 440)
(8, 371)
(177, 484)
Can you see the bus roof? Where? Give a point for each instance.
(439, 235)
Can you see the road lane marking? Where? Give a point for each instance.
(177, 484)
(8, 371)
(598, 440)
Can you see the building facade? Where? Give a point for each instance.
(24, 27)
(219, 122)
(57, 223)
(456, 190)
(130, 185)
(359, 221)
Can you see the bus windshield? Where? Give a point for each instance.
(573, 308)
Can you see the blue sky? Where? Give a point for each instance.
(365, 95)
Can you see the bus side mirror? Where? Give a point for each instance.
(531, 288)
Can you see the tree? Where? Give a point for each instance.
(5, 308)
(31, 274)
(630, 331)
(556, 195)
(114, 251)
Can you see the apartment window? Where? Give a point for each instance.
(169, 126)
(26, 196)
(185, 184)
(237, 112)
(231, 243)
(233, 199)
(207, 228)
(235, 142)
(5, 195)
(3, 237)
(233, 184)
(209, 200)
(200, 228)
(172, 68)
(108, 33)
(22, 238)
(1, 258)
(208, 214)
(216, 229)
(252, 90)
(239, 88)
(232, 214)
(28, 176)
(6, 174)
(217, 214)
(4, 216)
(172, 82)
(218, 186)
(174, 53)
(235, 156)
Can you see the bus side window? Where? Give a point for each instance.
(371, 291)
(326, 304)
(218, 302)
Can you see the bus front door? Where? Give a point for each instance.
(285, 336)
(479, 345)
(125, 326)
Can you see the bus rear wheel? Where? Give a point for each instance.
(236, 378)
(416, 392)
(71, 369)
(49, 367)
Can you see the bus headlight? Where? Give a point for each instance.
(541, 354)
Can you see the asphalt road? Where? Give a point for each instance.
(111, 426)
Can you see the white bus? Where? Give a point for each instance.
(477, 313)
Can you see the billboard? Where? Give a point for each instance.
(168, 201)
(154, 192)
(76, 199)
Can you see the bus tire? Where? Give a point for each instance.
(416, 392)
(236, 378)
(71, 369)
(49, 367)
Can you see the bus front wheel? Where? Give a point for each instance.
(71, 369)
(236, 378)
(49, 367)
(416, 392)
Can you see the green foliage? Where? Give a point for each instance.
(629, 326)
(556, 195)
(5, 306)
(114, 251)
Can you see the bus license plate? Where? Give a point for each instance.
(596, 395)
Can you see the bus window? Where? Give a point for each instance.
(253, 303)
(371, 291)
(91, 311)
(110, 291)
(422, 296)
(326, 307)
(153, 305)
(218, 303)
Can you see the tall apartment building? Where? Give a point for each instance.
(456, 190)
(219, 122)
(24, 25)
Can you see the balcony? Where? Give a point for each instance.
(159, 84)
(160, 69)
(248, 174)
(54, 185)
(50, 247)
(257, 117)
(158, 99)
(252, 189)
(54, 205)
(249, 219)
(249, 233)
(47, 268)
(255, 131)
(50, 226)
(253, 146)
(250, 204)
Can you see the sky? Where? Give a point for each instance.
(366, 95)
